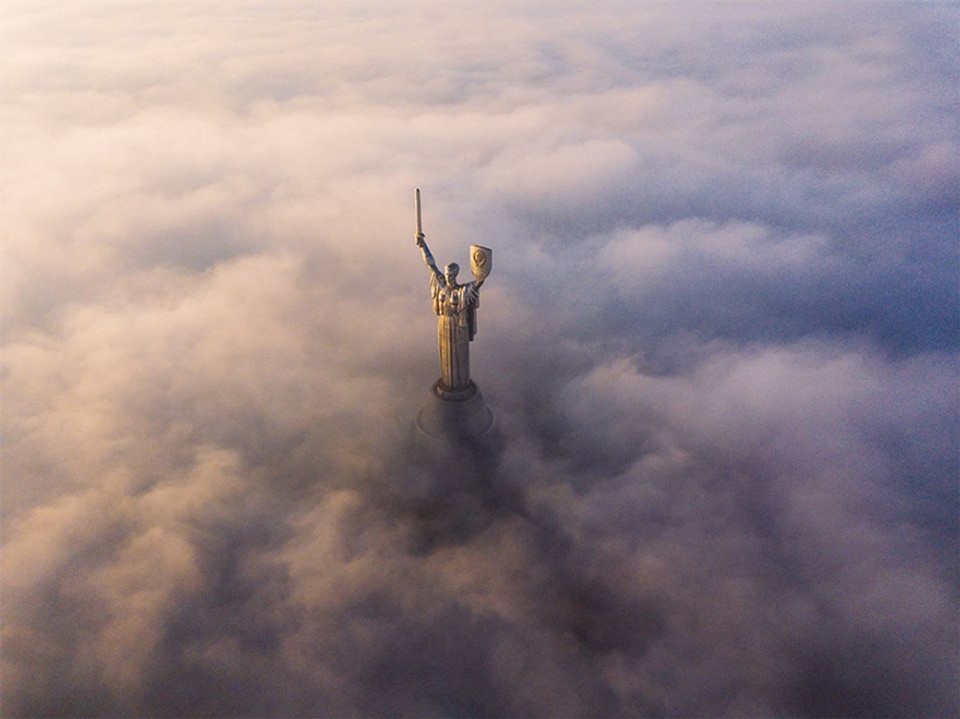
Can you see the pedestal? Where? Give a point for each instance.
(451, 484)
(455, 414)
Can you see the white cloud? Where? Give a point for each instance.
(718, 335)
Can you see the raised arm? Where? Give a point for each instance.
(427, 257)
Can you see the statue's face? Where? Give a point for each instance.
(450, 272)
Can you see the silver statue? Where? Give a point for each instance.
(456, 308)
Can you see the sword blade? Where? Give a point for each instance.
(419, 220)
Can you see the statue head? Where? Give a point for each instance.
(450, 273)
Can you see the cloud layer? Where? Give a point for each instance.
(720, 338)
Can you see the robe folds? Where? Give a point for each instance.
(455, 308)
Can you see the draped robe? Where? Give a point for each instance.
(455, 308)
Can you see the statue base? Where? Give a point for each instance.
(455, 414)
(450, 482)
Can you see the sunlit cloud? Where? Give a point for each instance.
(720, 339)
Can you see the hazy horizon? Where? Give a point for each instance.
(721, 340)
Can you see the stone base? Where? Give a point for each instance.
(455, 414)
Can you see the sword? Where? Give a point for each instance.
(419, 219)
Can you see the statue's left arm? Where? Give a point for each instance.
(473, 293)
(471, 302)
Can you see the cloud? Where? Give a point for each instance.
(720, 339)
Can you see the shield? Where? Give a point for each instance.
(481, 262)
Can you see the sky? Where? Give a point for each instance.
(720, 338)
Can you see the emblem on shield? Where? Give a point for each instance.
(481, 262)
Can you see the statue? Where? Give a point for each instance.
(455, 305)
(455, 410)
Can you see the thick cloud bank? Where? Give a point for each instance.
(721, 338)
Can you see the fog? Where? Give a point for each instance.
(720, 339)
